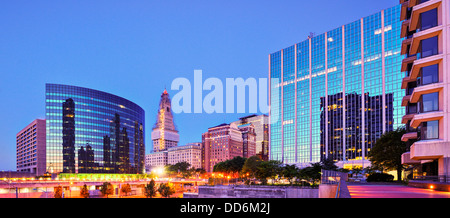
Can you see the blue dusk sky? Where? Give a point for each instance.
(134, 49)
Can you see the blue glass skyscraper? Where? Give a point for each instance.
(90, 131)
(334, 94)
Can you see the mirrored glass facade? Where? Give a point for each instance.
(334, 94)
(90, 131)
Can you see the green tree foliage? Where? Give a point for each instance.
(165, 189)
(181, 169)
(250, 167)
(268, 169)
(290, 172)
(84, 191)
(107, 189)
(387, 152)
(233, 166)
(150, 189)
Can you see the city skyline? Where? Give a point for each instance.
(50, 43)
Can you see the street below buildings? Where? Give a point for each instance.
(361, 190)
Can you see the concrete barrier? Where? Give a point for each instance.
(256, 192)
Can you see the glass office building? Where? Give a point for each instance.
(334, 94)
(90, 131)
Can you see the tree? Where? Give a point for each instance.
(58, 192)
(251, 165)
(268, 169)
(312, 173)
(387, 152)
(126, 189)
(328, 164)
(84, 191)
(289, 172)
(107, 189)
(150, 189)
(165, 189)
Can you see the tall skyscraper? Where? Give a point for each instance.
(30, 142)
(90, 131)
(164, 134)
(425, 34)
(355, 67)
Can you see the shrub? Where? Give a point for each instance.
(380, 177)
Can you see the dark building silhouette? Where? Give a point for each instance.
(86, 163)
(334, 146)
(68, 131)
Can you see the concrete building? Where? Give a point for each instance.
(190, 153)
(30, 148)
(155, 160)
(425, 33)
(261, 125)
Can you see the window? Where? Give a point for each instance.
(430, 102)
(430, 74)
(430, 130)
(428, 19)
(429, 47)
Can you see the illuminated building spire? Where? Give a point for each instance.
(164, 134)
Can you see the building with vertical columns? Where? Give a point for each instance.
(425, 35)
(334, 94)
(30, 148)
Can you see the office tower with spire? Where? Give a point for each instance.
(164, 134)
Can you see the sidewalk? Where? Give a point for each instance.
(392, 190)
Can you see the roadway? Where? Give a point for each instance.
(361, 190)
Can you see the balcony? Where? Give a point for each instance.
(407, 61)
(405, 45)
(407, 80)
(424, 62)
(427, 89)
(405, 28)
(407, 118)
(429, 149)
(405, 100)
(420, 8)
(409, 135)
(425, 117)
(404, 11)
(418, 37)
(406, 159)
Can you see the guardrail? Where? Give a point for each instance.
(334, 178)
(443, 179)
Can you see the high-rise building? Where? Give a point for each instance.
(90, 131)
(335, 93)
(30, 148)
(425, 35)
(221, 143)
(164, 134)
(261, 125)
